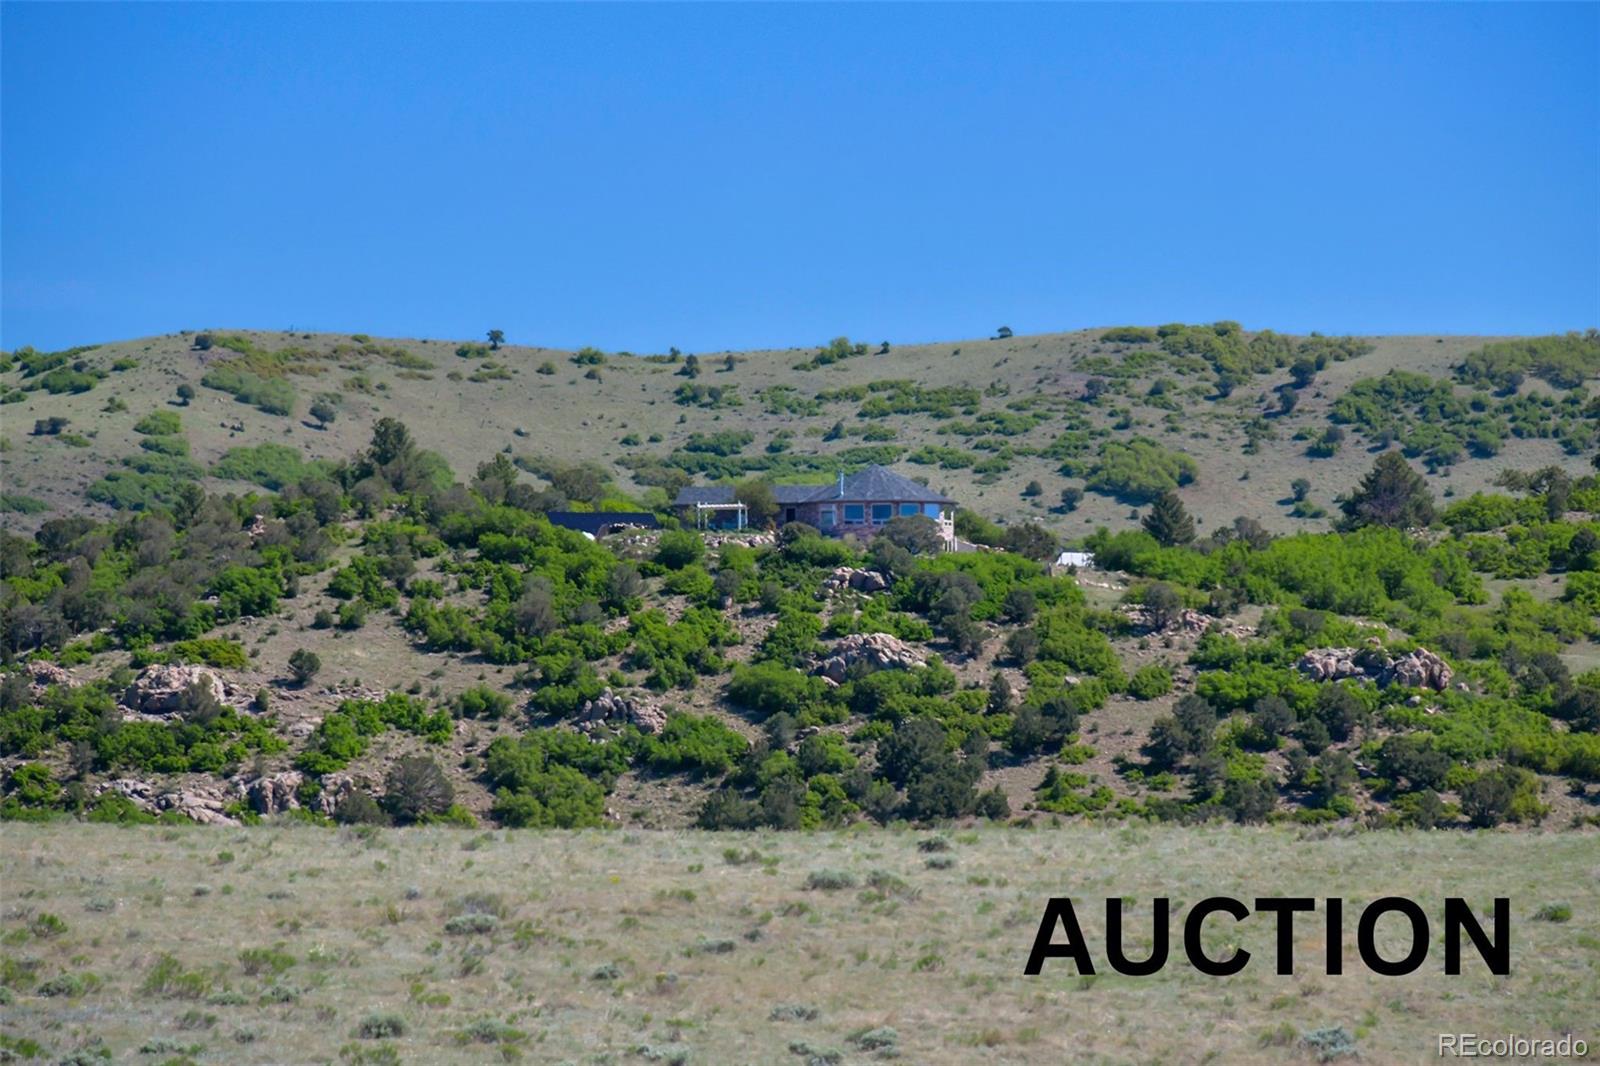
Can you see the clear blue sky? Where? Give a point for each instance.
(737, 176)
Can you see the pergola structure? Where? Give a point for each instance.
(703, 510)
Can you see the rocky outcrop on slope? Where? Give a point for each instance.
(610, 711)
(160, 688)
(1416, 669)
(880, 651)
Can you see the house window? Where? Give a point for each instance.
(931, 510)
(855, 513)
(882, 512)
(825, 517)
(907, 510)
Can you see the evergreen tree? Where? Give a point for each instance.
(1392, 494)
(1169, 521)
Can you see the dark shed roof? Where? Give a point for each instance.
(595, 522)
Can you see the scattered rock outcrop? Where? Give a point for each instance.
(197, 805)
(207, 806)
(1417, 669)
(850, 577)
(1183, 621)
(42, 675)
(880, 651)
(273, 793)
(611, 711)
(335, 787)
(160, 688)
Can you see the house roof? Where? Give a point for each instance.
(881, 483)
(690, 495)
(872, 483)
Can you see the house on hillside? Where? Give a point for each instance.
(861, 503)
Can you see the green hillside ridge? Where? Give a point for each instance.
(404, 637)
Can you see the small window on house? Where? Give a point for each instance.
(882, 512)
(855, 512)
(907, 510)
(825, 517)
(931, 510)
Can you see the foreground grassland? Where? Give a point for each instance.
(287, 944)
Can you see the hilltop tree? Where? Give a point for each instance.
(691, 366)
(497, 337)
(1003, 332)
(1392, 494)
(1169, 521)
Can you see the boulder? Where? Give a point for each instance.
(611, 711)
(880, 651)
(335, 787)
(1421, 669)
(868, 581)
(273, 793)
(850, 577)
(160, 688)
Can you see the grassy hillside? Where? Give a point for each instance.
(435, 946)
(995, 413)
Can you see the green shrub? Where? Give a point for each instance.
(272, 466)
(1553, 912)
(1149, 682)
(381, 1026)
(159, 424)
(701, 745)
(828, 881)
(274, 395)
(212, 651)
(1138, 470)
(770, 688)
(679, 548)
(481, 701)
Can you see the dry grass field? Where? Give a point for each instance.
(300, 945)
